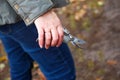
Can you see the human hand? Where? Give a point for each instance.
(50, 31)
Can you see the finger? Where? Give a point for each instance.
(61, 35)
(47, 39)
(54, 37)
(41, 37)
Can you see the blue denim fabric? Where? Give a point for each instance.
(22, 49)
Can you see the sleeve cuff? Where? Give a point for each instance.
(29, 10)
(60, 3)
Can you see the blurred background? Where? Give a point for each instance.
(97, 22)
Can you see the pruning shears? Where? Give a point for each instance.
(74, 40)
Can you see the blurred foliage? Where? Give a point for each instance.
(81, 12)
(81, 15)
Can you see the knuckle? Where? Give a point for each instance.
(47, 44)
(61, 34)
(40, 39)
(41, 34)
(47, 30)
(53, 43)
(55, 39)
(48, 38)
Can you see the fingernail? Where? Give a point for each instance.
(46, 47)
(41, 46)
(57, 46)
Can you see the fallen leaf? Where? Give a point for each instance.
(98, 79)
(2, 66)
(112, 62)
(3, 58)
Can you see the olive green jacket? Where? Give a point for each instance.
(12, 11)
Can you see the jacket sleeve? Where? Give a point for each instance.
(60, 3)
(29, 10)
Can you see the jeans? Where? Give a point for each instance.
(22, 49)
